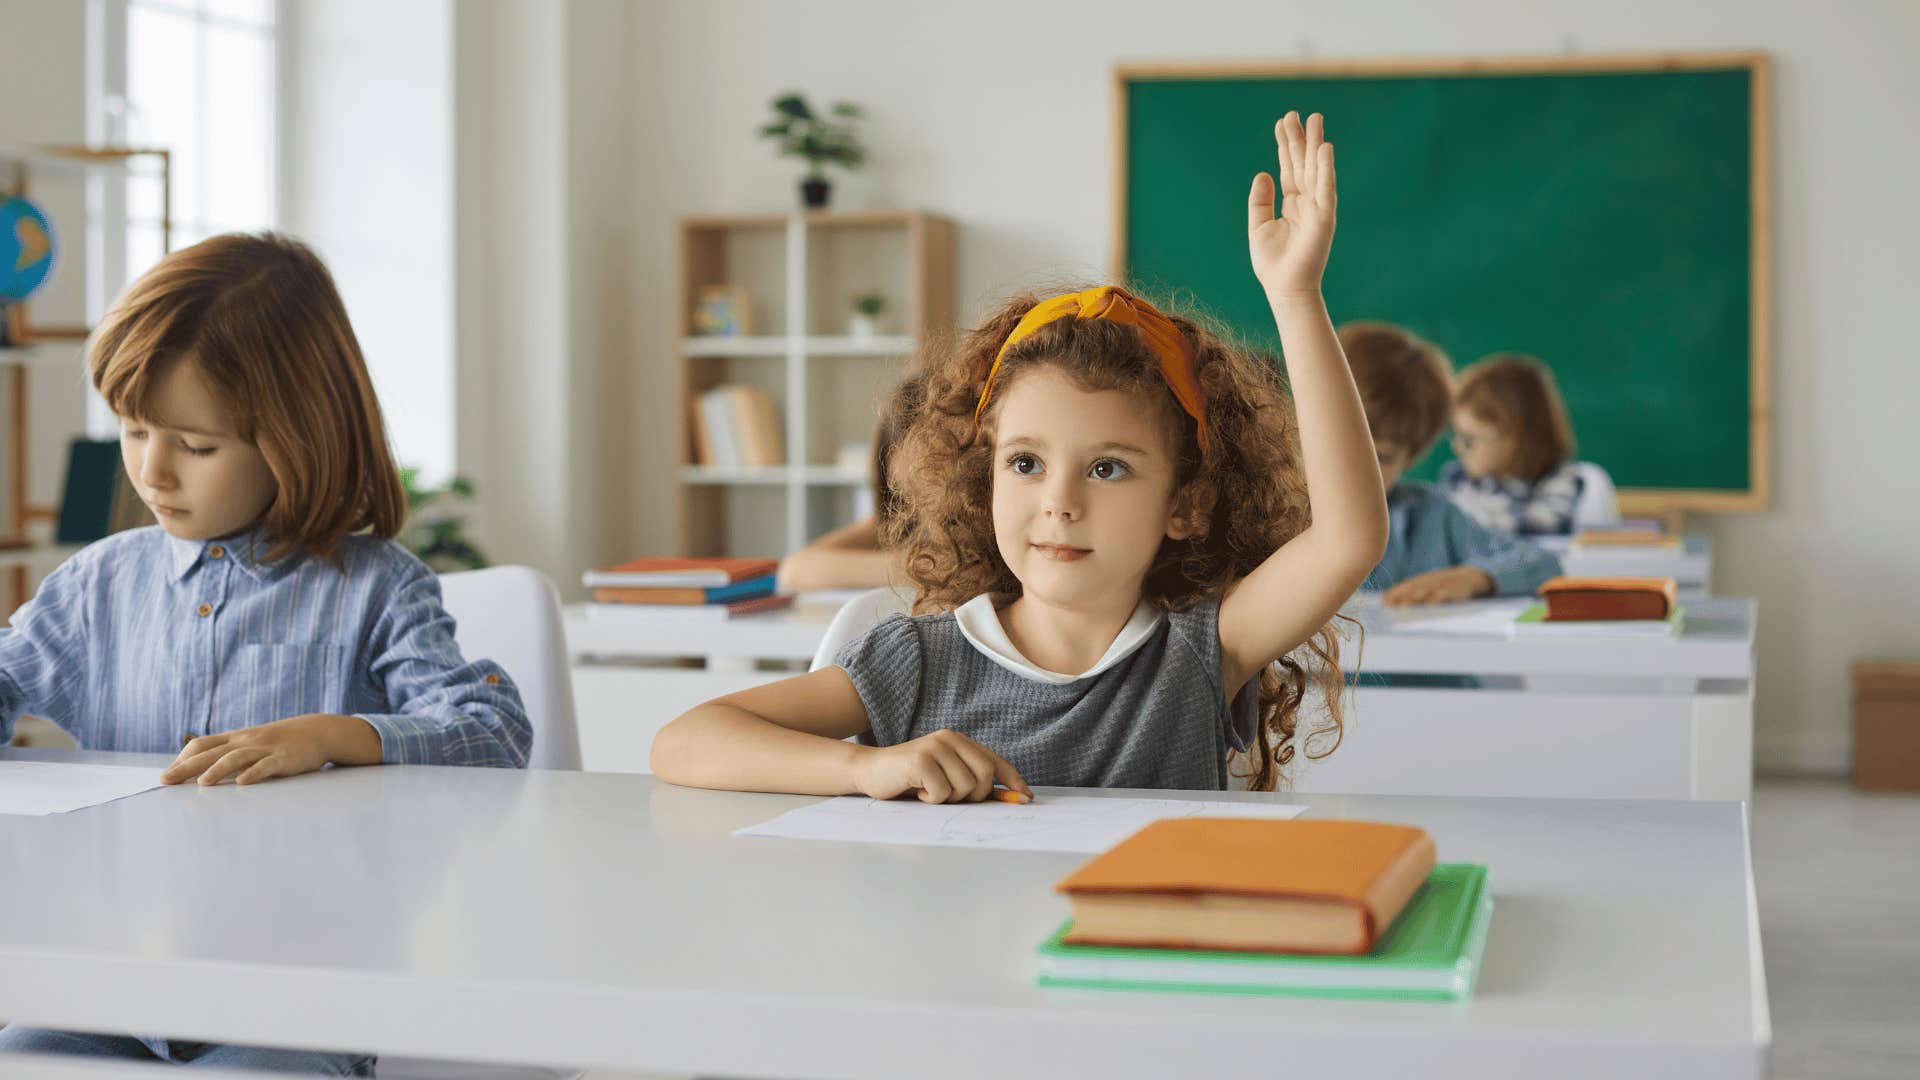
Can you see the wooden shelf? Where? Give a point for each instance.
(774, 475)
(799, 271)
(824, 346)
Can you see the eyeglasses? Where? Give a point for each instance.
(1463, 443)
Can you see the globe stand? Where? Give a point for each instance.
(9, 336)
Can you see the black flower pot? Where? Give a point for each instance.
(814, 192)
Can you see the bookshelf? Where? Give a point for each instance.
(26, 546)
(799, 272)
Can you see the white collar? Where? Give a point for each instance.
(980, 625)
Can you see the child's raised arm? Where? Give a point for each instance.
(1268, 613)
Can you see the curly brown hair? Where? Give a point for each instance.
(1243, 500)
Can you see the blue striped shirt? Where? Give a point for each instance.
(142, 641)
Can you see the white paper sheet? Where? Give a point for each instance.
(1049, 823)
(56, 787)
(1471, 618)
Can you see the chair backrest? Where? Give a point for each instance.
(511, 616)
(1598, 506)
(856, 617)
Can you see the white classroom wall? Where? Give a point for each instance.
(998, 113)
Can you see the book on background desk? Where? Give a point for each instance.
(1582, 599)
(1534, 622)
(1432, 952)
(1625, 540)
(656, 615)
(669, 573)
(750, 589)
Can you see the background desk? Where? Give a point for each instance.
(610, 921)
(1691, 568)
(1554, 717)
(1577, 717)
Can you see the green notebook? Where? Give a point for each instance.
(1430, 953)
(1533, 621)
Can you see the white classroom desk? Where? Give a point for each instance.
(608, 920)
(1691, 568)
(1572, 717)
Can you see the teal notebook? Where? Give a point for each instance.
(1430, 953)
(1534, 621)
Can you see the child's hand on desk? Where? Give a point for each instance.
(1290, 251)
(1441, 587)
(943, 767)
(298, 744)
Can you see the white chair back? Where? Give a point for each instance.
(511, 615)
(1598, 506)
(856, 617)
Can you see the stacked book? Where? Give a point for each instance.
(1604, 607)
(1250, 906)
(717, 588)
(737, 427)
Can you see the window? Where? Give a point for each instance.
(200, 78)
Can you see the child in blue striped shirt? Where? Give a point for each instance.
(268, 625)
(1435, 552)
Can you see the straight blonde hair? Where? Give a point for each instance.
(259, 317)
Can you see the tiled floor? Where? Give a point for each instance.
(1838, 876)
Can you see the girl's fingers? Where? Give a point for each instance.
(1281, 151)
(265, 769)
(1324, 193)
(1260, 202)
(980, 763)
(959, 776)
(932, 781)
(1009, 776)
(1296, 150)
(189, 765)
(1310, 155)
(232, 762)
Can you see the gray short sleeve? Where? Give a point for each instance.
(887, 668)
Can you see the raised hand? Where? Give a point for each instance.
(1290, 251)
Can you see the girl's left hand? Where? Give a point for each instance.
(298, 744)
(1290, 251)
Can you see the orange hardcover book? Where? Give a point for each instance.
(1571, 599)
(1626, 538)
(670, 597)
(1250, 884)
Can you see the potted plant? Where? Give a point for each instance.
(435, 530)
(820, 139)
(864, 321)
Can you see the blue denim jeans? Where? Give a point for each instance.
(21, 1040)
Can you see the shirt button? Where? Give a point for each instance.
(493, 680)
(216, 551)
(205, 610)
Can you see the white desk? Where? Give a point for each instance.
(1691, 568)
(1572, 717)
(1556, 717)
(606, 920)
(626, 686)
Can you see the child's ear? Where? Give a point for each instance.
(1187, 517)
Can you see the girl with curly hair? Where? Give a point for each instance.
(1119, 539)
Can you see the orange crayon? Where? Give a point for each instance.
(1001, 794)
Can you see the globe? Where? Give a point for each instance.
(26, 249)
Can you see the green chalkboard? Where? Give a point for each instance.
(1600, 220)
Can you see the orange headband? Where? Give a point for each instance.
(1114, 304)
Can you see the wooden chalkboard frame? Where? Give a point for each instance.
(1666, 503)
